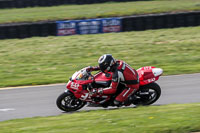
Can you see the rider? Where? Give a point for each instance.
(122, 73)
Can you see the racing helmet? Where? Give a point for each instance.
(106, 62)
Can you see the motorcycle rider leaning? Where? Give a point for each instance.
(122, 73)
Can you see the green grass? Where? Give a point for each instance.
(46, 60)
(183, 118)
(68, 12)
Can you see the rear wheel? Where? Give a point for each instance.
(147, 94)
(68, 102)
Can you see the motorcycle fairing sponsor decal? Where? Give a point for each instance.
(74, 86)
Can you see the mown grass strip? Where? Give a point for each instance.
(68, 12)
(177, 118)
(54, 59)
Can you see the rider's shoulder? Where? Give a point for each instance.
(120, 64)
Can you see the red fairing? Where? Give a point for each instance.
(149, 74)
(75, 88)
(102, 77)
(83, 82)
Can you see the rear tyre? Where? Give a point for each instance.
(147, 94)
(68, 102)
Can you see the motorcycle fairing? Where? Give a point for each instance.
(103, 79)
(149, 74)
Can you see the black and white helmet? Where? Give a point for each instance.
(106, 62)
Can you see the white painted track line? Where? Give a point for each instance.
(33, 86)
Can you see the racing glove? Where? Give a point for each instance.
(90, 68)
(96, 91)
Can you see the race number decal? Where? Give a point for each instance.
(74, 85)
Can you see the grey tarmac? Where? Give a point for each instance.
(23, 102)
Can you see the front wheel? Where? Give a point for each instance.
(68, 102)
(148, 94)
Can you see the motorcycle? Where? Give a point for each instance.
(78, 89)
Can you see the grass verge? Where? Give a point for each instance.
(176, 118)
(68, 12)
(54, 59)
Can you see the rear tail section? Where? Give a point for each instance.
(149, 74)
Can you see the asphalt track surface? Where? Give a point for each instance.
(23, 102)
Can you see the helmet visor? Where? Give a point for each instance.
(103, 66)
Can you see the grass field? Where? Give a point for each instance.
(54, 59)
(111, 9)
(183, 118)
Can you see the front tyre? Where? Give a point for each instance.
(148, 94)
(68, 102)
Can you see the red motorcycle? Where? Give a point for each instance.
(77, 92)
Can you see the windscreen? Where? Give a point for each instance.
(80, 75)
